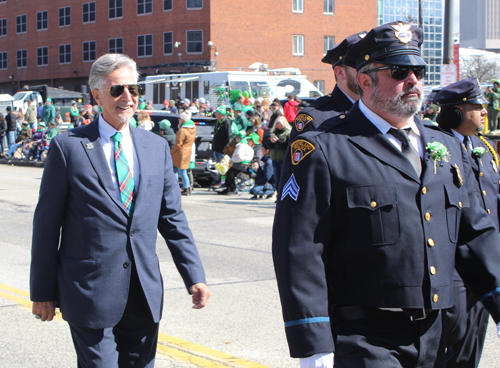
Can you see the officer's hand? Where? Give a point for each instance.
(321, 360)
(45, 310)
(200, 295)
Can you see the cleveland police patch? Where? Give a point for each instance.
(300, 149)
(301, 121)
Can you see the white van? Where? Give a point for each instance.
(216, 86)
(5, 100)
(21, 99)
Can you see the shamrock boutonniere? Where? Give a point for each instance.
(479, 152)
(438, 152)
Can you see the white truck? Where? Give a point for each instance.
(21, 99)
(216, 86)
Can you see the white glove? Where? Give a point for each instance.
(498, 330)
(321, 360)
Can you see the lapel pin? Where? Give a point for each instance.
(494, 165)
(459, 176)
(90, 146)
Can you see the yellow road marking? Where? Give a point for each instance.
(173, 347)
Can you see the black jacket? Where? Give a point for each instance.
(222, 131)
(10, 119)
(265, 172)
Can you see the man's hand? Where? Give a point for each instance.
(46, 310)
(200, 295)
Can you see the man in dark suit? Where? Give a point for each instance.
(107, 188)
(340, 100)
(462, 114)
(372, 219)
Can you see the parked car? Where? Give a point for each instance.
(204, 136)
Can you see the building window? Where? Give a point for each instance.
(42, 20)
(3, 27)
(320, 84)
(168, 43)
(144, 6)
(193, 4)
(328, 7)
(21, 23)
(89, 53)
(145, 45)
(65, 54)
(89, 12)
(298, 45)
(116, 45)
(115, 9)
(22, 58)
(298, 6)
(65, 16)
(42, 56)
(329, 43)
(194, 42)
(3, 60)
(167, 5)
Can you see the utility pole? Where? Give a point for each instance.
(448, 32)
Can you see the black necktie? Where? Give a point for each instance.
(407, 149)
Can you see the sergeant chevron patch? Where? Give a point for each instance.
(301, 121)
(291, 188)
(300, 149)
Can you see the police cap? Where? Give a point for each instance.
(335, 56)
(464, 91)
(395, 43)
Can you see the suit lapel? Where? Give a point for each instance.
(92, 146)
(366, 136)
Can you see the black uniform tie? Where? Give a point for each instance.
(407, 148)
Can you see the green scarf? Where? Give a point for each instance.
(188, 124)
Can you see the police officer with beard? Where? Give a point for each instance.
(376, 212)
(462, 114)
(340, 100)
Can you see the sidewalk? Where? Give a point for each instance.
(21, 162)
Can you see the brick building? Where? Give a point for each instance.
(55, 42)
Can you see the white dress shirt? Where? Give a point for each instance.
(108, 146)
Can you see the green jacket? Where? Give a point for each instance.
(48, 114)
(51, 133)
(278, 149)
(493, 97)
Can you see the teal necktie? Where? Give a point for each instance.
(123, 174)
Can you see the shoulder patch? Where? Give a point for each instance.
(300, 149)
(301, 121)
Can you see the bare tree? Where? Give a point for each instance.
(479, 67)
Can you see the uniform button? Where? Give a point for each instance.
(329, 95)
(499, 182)
(126, 264)
(430, 242)
(132, 233)
(435, 298)
(484, 192)
(342, 116)
(424, 190)
(433, 270)
(373, 204)
(460, 204)
(481, 174)
(427, 216)
(489, 210)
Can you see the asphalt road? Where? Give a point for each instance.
(241, 326)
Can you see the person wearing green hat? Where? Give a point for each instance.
(222, 132)
(432, 113)
(492, 95)
(48, 112)
(167, 132)
(241, 121)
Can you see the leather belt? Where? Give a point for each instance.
(351, 313)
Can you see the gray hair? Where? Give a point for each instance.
(108, 63)
(366, 69)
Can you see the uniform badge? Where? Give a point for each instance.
(300, 149)
(89, 146)
(402, 32)
(458, 175)
(301, 121)
(291, 188)
(494, 165)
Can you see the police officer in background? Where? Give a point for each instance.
(462, 113)
(376, 210)
(340, 100)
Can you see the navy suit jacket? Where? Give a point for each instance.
(355, 225)
(84, 241)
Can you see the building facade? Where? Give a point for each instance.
(56, 42)
(433, 21)
(479, 24)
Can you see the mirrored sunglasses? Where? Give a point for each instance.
(400, 72)
(117, 89)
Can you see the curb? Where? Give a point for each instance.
(21, 162)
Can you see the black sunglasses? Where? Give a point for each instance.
(400, 72)
(117, 90)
